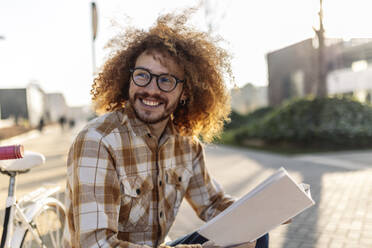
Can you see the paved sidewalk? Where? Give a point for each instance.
(341, 185)
(53, 143)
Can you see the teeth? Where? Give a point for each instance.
(150, 103)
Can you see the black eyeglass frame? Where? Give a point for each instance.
(157, 79)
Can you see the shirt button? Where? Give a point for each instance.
(138, 191)
(161, 214)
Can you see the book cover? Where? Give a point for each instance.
(274, 201)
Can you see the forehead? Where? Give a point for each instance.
(158, 62)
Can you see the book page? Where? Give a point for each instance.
(271, 203)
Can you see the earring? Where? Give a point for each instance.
(183, 102)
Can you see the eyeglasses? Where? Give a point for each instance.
(166, 82)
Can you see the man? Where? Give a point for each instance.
(129, 169)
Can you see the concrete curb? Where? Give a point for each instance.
(19, 139)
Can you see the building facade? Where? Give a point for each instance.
(293, 70)
(248, 98)
(23, 104)
(56, 106)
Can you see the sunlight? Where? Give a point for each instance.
(58, 52)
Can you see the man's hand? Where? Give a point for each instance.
(211, 244)
(189, 246)
(247, 245)
(287, 222)
(182, 246)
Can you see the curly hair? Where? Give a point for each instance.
(204, 64)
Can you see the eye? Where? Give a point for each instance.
(141, 75)
(165, 79)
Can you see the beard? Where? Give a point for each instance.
(148, 116)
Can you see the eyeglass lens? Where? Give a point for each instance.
(165, 82)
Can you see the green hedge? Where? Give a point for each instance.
(312, 122)
(238, 120)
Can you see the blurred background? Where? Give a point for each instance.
(301, 98)
(282, 50)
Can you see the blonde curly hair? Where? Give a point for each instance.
(204, 63)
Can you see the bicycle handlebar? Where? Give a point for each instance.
(11, 152)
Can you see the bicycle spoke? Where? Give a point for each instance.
(49, 226)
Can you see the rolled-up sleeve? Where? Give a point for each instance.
(93, 192)
(204, 194)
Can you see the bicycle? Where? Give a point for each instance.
(37, 219)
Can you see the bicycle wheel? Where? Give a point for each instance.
(48, 224)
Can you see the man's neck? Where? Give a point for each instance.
(158, 128)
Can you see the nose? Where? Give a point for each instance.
(153, 86)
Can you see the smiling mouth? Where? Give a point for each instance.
(151, 103)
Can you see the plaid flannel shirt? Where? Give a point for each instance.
(125, 186)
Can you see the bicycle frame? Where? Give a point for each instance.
(27, 216)
(9, 210)
(23, 213)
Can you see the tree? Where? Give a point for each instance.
(322, 72)
(214, 12)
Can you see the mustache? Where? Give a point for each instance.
(155, 96)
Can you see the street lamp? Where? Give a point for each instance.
(94, 34)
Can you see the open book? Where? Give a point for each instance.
(274, 201)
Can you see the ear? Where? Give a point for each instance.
(183, 96)
(183, 99)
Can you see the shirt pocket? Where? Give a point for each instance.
(177, 181)
(135, 203)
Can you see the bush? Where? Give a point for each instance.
(238, 120)
(313, 122)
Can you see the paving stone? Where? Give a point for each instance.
(354, 235)
(366, 241)
(336, 244)
(323, 241)
(343, 215)
(292, 245)
(307, 245)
